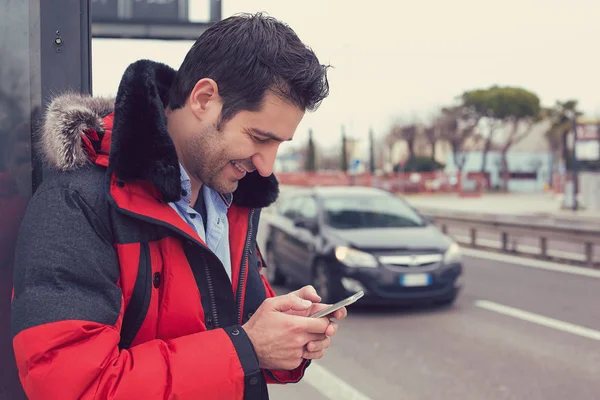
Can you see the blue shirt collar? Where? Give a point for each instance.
(186, 189)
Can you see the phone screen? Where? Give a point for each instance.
(338, 305)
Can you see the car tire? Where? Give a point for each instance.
(274, 275)
(322, 282)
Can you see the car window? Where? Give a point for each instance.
(292, 207)
(308, 208)
(380, 211)
(283, 204)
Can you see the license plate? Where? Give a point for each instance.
(415, 280)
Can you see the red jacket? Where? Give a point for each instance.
(115, 296)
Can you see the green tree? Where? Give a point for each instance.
(344, 151)
(371, 152)
(311, 157)
(513, 108)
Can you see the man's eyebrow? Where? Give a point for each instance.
(269, 135)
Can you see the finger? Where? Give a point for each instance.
(288, 302)
(313, 355)
(307, 293)
(316, 325)
(318, 345)
(331, 329)
(319, 306)
(313, 337)
(341, 313)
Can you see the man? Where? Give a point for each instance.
(137, 274)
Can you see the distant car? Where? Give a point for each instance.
(345, 239)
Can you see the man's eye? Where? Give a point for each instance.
(259, 140)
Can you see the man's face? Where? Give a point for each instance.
(247, 142)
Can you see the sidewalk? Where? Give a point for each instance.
(541, 205)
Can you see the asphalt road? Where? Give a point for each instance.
(515, 332)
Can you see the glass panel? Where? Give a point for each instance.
(364, 212)
(308, 209)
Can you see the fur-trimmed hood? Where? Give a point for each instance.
(140, 147)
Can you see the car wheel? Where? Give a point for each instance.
(322, 282)
(274, 275)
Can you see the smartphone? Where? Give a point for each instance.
(338, 305)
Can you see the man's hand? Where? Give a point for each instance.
(309, 293)
(279, 339)
(316, 348)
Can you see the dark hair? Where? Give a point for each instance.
(247, 55)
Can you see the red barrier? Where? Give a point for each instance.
(559, 182)
(403, 182)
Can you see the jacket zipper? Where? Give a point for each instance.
(242, 266)
(211, 292)
(211, 289)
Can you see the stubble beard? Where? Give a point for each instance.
(205, 155)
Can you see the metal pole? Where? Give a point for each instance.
(65, 56)
(183, 10)
(215, 10)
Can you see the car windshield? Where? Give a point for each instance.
(360, 212)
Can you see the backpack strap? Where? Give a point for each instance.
(136, 310)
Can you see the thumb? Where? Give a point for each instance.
(308, 293)
(289, 302)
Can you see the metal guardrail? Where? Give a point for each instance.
(520, 226)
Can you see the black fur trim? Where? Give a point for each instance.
(255, 191)
(142, 148)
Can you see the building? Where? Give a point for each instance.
(530, 161)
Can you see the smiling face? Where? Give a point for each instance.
(219, 155)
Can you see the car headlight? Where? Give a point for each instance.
(355, 258)
(453, 254)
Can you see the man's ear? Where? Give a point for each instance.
(204, 97)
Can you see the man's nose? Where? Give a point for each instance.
(265, 160)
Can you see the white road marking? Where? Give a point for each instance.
(539, 319)
(329, 385)
(529, 262)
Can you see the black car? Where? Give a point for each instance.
(345, 239)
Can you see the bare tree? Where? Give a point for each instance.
(458, 126)
(561, 117)
(432, 133)
(408, 133)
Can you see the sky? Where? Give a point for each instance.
(403, 60)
